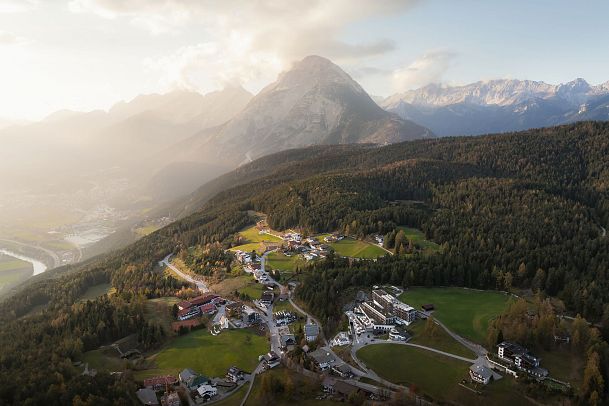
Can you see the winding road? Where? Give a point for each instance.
(202, 286)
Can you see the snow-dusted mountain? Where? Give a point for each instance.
(315, 102)
(500, 105)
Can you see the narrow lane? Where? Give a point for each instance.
(200, 284)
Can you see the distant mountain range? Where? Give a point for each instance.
(500, 105)
(314, 103)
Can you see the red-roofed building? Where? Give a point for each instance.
(207, 308)
(159, 383)
(189, 313)
(185, 304)
(201, 300)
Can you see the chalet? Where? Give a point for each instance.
(189, 313)
(480, 374)
(343, 370)
(185, 304)
(267, 298)
(311, 332)
(342, 338)
(428, 307)
(171, 399)
(323, 359)
(249, 315)
(159, 383)
(207, 392)
(147, 397)
(287, 341)
(271, 360)
(234, 374)
(193, 380)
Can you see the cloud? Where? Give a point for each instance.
(17, 6)
(249, 40)
(7, 39)
(427, 69)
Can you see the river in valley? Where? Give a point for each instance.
(39, 267)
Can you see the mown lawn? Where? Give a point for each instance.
(437, 376)
(466, 312)
(248, 247)
(348, 247)
(209, 355)
(433, 373)
(440, 340)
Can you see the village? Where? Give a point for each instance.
(374, 319)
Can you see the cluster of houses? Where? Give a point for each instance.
(381, 314)
(324, 360)
(187, 309)
(310, 248)
(197, 387)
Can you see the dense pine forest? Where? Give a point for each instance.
(514, 211)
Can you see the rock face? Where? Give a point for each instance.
(500, 105)
(315, 102)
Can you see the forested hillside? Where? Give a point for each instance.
(524, 210)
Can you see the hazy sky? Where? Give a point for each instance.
(87, 54)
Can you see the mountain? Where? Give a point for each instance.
(315, 102)
(500, 105)
(523, 211)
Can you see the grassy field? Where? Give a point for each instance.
(13, 271)
(436, 376)
(440, 340)
(104, 360)
(284, 264)
(348, 247)
(249, 247)
(417, 237)
(251, 235)
(466, 312)
(96, 291)
(207, 354)
(159, 310)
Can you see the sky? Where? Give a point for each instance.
(89, 54)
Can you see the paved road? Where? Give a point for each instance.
(200, 284)
(604, 233)
(252, 379)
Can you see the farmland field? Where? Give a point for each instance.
(251, 234)
(466, 312)
(348, 247)
(207, 354)
(436, 375)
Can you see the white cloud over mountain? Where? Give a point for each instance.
(248, 41)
